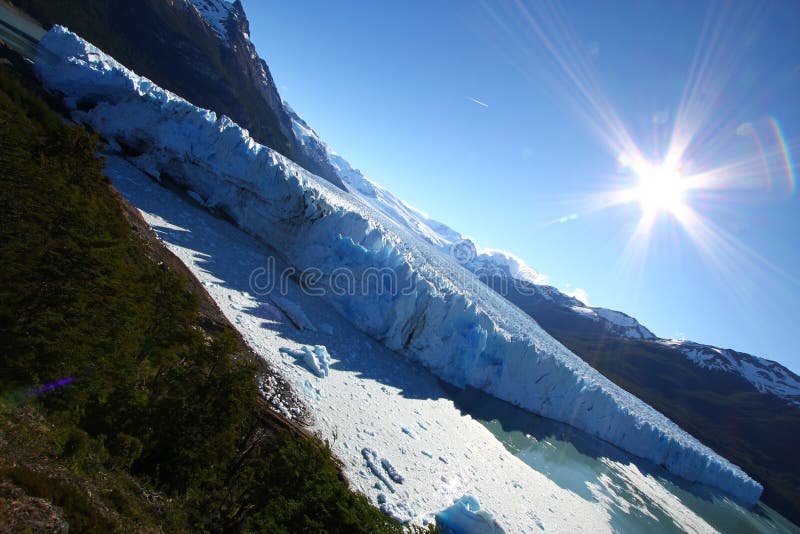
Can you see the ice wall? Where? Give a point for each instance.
(434, 311)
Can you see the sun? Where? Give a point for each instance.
(660, 189)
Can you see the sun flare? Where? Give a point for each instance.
(660, 189)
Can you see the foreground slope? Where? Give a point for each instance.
(443, 317)
(125, 406)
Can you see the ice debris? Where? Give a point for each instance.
(316, 358)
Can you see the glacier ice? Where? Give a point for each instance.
(466, 517)
(371, 458)
(316, 359)
(443, 318)
(391, 471)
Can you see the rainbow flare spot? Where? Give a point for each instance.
(787, 156)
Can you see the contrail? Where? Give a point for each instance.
(484, 104)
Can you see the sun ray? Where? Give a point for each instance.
(705, 160)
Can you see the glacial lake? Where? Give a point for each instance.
(638, 495)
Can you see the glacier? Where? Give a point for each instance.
(485, 262)
(444, 318)
(478, 260)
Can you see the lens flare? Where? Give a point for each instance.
(785, 154)
(699, 163)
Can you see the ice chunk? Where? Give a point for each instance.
(408, 432)
(466, 517)
(371, 457)
(316, 358)
(391, 471)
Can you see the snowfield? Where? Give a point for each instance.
(431, 310)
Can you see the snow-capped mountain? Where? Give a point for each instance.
(465, 333)
(765, 375)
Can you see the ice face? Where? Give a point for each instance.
(412, 298)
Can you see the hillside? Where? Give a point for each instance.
(129, 402)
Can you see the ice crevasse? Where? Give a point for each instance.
(438, 314)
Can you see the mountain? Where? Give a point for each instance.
(199, 49)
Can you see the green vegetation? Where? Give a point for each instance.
(156, 421)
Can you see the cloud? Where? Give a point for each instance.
(484, 104)
(580, 294)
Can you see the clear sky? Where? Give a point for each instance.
(640, 152)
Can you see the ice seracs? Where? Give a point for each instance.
(431, 310)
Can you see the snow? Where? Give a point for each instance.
(586, 312)
(436, 314)
(466, 517)
(216, 13)
(764, 375)
(627, 325)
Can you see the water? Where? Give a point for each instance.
(639, 496)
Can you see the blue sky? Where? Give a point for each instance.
(504, 120)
